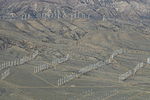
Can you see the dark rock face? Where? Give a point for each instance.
(2, 91)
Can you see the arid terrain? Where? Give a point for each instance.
(37, 54)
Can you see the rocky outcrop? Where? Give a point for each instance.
(122, 9)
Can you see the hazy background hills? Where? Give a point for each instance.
(122, 9)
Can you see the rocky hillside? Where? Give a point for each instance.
(121, 9)
(86, 32)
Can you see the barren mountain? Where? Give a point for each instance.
(74, 49)
(122, 9)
